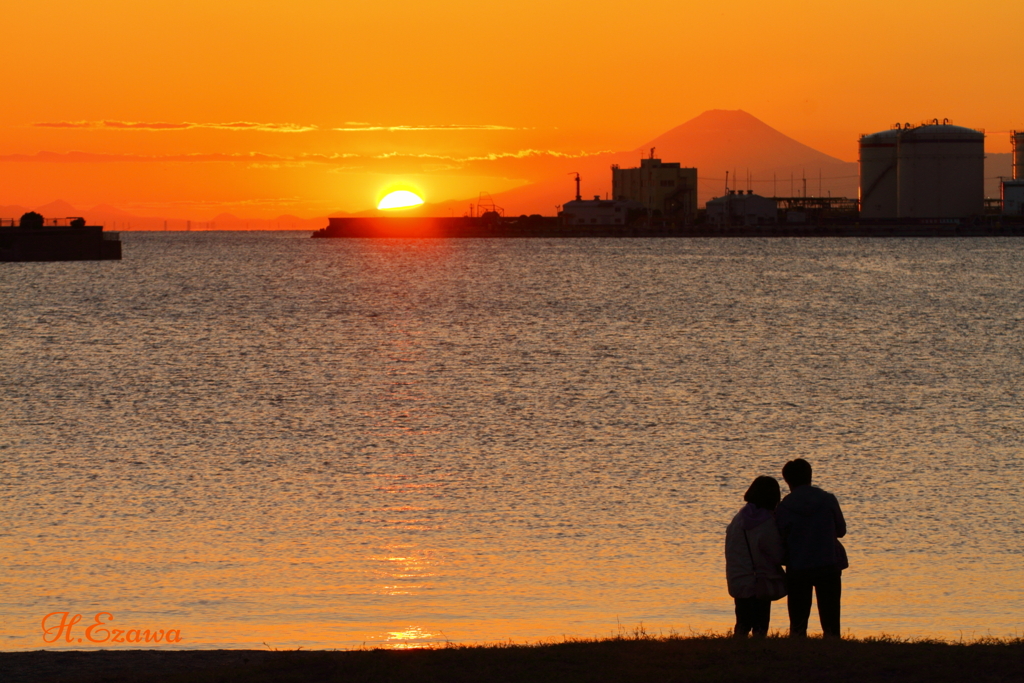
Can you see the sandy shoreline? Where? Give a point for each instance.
(618, 659)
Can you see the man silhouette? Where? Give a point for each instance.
(810, 522)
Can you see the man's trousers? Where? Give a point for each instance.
(827, 585)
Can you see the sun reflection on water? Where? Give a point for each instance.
(410, 638)
(403, 570)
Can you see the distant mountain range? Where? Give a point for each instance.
(719, 143)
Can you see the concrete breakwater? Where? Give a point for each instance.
(550, 227)
(58, 243)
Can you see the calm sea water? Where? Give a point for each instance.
(263, 438)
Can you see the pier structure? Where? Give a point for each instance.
(35, 238)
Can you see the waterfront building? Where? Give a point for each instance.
(739, 209)
(665, 190)
(599, 211)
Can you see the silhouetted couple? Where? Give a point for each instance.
(801, 532)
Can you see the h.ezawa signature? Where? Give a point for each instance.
(95, 633)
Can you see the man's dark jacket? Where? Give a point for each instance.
(810, 521)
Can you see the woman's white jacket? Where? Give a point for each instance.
(750, 553)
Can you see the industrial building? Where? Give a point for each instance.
(599, 211)
(665, 190)
(935, 170)
(736, 209)
(817, 210)
(1017, 139)
(1013, 197)
(1012, 191)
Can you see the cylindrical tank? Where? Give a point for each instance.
(1013, 197)
(1018, 155)
(940, 172)
(878, 186)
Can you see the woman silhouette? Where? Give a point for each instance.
(753, 558)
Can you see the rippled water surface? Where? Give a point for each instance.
(322, 443)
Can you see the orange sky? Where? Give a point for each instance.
(348, 94)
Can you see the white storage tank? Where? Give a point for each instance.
(1018, 155)
(878, 186)
(941, 172)
(1013, 197)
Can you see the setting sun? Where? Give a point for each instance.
(400, 199)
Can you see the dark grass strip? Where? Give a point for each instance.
(697, 659)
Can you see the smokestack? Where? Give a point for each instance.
(1017, 137)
